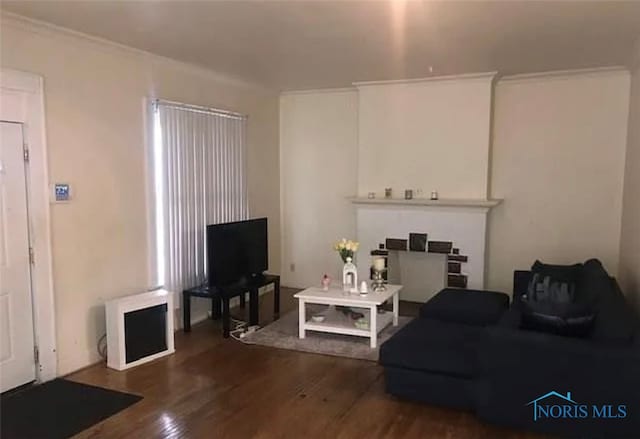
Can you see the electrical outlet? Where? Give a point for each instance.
(292, 267)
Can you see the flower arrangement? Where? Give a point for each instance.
(346, 248)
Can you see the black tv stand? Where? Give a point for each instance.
(221, 295)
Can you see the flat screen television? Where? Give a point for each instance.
(237, 251)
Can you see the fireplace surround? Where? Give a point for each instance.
(456, 242)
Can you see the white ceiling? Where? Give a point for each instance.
(313, 44)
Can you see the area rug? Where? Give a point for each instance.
(59, 409)
(283, 334)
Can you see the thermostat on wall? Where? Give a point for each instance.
(61, 193)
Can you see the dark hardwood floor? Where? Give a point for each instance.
(220, 388)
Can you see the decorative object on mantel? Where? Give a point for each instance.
(364, 289)
(434, 195)
(371, 195)
(326, 281)
(417, 242)
(408, 194)
(379, 266)
(387, 192)
(350, 277)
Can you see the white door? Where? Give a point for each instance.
(17, 363)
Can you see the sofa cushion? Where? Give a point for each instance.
(615, 321)
(556, 283)
(471, 307)
(557, 301)
(433, 346)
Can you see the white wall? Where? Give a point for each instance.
(558, 159)
(318, 160)
(629, 271)
(427, 135)
(94, 94)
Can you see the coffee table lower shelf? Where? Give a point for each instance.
(336, 322)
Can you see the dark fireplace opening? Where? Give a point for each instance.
(145, 332)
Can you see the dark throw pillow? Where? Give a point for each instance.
(557, 283)
(553, 302)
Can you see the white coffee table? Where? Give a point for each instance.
(336, 322)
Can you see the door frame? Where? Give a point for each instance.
(23, 102)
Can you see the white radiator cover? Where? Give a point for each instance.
(115, 310)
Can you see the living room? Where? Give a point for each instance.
(459, 142)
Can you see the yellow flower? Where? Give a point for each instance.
(346, 244)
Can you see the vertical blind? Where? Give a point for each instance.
(200, 179)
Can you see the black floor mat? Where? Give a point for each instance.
(58, 409)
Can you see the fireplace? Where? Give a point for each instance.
(454, 253)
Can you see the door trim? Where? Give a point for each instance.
(23, 102)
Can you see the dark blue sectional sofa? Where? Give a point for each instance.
(468, 350)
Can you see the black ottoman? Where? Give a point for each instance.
(432, 362)
(434, 358)
(469, 307)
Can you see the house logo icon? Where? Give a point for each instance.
(544, 409)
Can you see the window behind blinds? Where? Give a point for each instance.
(199, 160)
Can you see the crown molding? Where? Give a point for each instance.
(52, 30)
(319, 90)
(563, 74)
(485, 76)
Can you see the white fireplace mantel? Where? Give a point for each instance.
(460, 221)
(450, 202)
